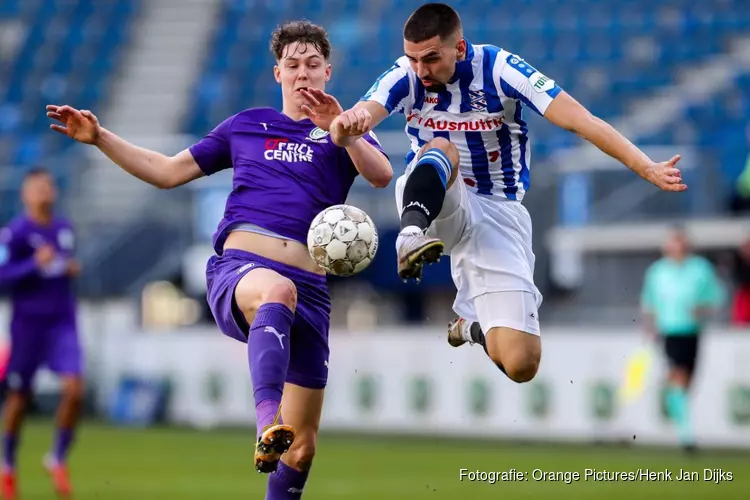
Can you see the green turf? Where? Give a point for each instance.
(167, 464)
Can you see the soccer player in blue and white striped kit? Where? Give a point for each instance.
(468, 171)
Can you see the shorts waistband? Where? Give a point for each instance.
(293, 273)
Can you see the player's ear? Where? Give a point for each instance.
(461, 46)
(329, 69)
(277, 73)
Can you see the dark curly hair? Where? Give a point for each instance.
(303, 32)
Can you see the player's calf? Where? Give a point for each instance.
(302, 409)
(267, 301)
(300, 455)
(435, 171)
(515, 353)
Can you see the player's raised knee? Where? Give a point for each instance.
(517, 352)
(520, 366)
(448, 149)
(263, 286)
(300, 455)
(445, 146)
(282, 292)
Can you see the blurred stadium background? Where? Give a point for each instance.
(170, 397)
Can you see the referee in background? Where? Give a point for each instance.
(680, 292)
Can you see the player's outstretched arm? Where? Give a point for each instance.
(567, 113)
(149, 166)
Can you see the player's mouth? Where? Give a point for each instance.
(301, 88)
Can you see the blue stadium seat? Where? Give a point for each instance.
(67, 55)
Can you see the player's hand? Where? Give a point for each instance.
(74, 268)
(352, 122)
(665, 175)
(44, 255)
(321, 108)
(80, 125)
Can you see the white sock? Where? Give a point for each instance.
(466, 331)
(410, 230)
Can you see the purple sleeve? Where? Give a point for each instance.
(13, 269)
(373, 139)
(213, 153)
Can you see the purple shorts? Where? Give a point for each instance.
(308, 361)
(36, 342)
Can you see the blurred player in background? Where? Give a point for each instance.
(38, 267)
(468, 170)
(263, 286)
(680, 291)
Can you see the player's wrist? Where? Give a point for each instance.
(100, 136)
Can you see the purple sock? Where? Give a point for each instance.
(10, 445)
(268, 353)
(63, 440)
(286, 483)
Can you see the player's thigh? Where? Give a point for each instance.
(510, 321)
(301, 407)
(64, 355)
(236, 286)
(28, 346)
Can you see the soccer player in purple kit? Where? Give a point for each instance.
(263, 286)
(38, 267)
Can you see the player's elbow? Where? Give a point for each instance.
(382, 179)
(165, 183)
(171, 174)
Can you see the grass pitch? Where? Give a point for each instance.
(175, 464)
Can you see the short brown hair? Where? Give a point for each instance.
(303, 32)
(431, 20)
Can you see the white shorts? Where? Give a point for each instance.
(489, 242)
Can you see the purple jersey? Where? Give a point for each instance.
(35, 291)
(285, 171)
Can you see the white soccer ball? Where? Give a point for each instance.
(343, 240)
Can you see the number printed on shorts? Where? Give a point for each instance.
(494, 155)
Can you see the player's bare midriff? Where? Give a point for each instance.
(289, 252)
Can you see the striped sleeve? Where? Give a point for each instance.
(393, 89)
(518, 80)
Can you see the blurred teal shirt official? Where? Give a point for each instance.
(674, 291)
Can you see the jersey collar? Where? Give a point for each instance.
(464, 68)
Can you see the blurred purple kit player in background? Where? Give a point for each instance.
(37, 267)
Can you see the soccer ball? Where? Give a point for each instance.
(343, 240)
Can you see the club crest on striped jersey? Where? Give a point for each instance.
(477, 100)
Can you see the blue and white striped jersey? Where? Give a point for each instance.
(480, 112)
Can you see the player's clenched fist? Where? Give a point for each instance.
(80, 125)
(352, 122)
